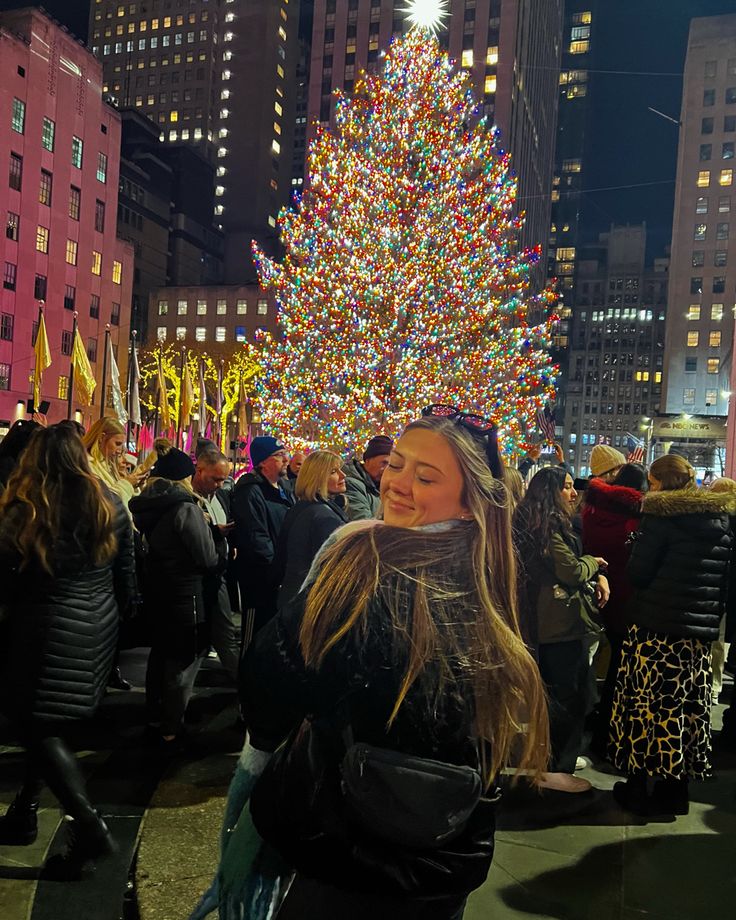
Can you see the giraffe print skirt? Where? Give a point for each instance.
(661, 708)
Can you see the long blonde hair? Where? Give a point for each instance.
(311, 483)
(507, 689)
(102, 430)
(52, 484)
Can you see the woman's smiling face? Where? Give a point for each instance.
(423, 483)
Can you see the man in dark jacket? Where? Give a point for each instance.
(363, 479)
(260, 503)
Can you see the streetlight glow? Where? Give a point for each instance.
(426, 14)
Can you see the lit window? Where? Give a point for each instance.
(713, 365)
(275, 146)
(579, 47)
(219, 333)
(492, 55)
(18, 120)
(489, 86)
(277, 108)
(716, 312)
(161, 334)
(571, 166)
(282, 33)
(77, 148)
(181, 307)
(700, 231)
(725, 177)
(71, 252)
(173, 115)
(276, 128)
(694, 312)
(200, 334)
(271, 220)
(62, 391)
(102, 167)
(262, 307)
(42, 239)
(219, 190)
(221, 307)
(703, 178)
(240, 333)
(181, 333)
(701, 206)
(163, 307)
(711, 397)
(96, 262)
(47, 134)
(714, 339)
(241, 307)
(117, 272)
(467, 58)
(692, 339)
(688, 396)
(566, 254)
(280, 71)
(658, 376)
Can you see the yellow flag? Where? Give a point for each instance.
(163, 398)
(84, 378)
(187, 396)
(42, 360)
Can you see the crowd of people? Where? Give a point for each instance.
(402, 629)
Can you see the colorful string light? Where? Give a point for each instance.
(403, 282)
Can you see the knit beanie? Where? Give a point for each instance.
(605, 459)
(175, 465)
(263, 447)
(380, 446)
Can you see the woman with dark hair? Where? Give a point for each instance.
(560, 589)
(679, 568)
(66, 566)
(401, 656)
(13, 445)
(611, 514)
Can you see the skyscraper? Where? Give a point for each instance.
(699, 338)
(511, 48)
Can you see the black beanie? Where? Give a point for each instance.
(175, 465)
(380, 446)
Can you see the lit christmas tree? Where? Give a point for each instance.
(403, 282)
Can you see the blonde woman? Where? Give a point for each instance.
(105, 442)
(320, 510)
(679, 569)
(407, 642)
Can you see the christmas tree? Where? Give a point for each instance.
(403, 282)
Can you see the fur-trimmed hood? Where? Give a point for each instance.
(689, 501)
(607, 497)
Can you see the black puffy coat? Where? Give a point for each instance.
(365, 669)
(258, 510)
(306, 527)
(679, 564)
(60, 632)
(180, 548)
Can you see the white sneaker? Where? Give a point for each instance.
(564, 782)
(582, 762)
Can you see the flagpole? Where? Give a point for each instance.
(103, 400)
(181, 400)
(38, 327)
(71, 369)
(220, 375)
(133, 335)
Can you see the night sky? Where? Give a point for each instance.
(632, 145)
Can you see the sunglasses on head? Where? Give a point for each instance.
(474, 423)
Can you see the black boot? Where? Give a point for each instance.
(19, 825)
(89, 841)
(116, 681)
(671, 797)
(632, 795)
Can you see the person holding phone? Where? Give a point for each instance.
(105, 441)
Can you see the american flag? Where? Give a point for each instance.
(546, 422)
(636, 450)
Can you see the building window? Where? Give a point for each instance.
(181, 333)
(727, 150)
(221, 307)
(4, 376)
(62, 389)
(706, 126)
(92, 349)
(77, 150)
(115, 314)
(12, 227)
(161, 334)
(693, 313)
(730, 95)
(44, 189)
(719, 284)
(713, 365)
(706, 151)
(18, 121)
(716, 312)
(201, 308)
(703, 178)
(15, 177)
(9, 276)
(688, 396)
(181, 307)
(701, 206)
(696, 285)
(75, 202)
(240, 334)
(200, 334)
(711, 68)
(691, 366)
(693, 338)
(99, 216)
(720, 258)
(42, 239)
(39, 287)
(117, 272)
(490, 84)
(70, 296)
(700, 232)
(711, 397)
(714, 339)
(94, 306)
(48, 131)
(709, 97)
(102, 167)
(724, 205)
(698, 260)
(219, 333)
(722, 231)
(96, 262)
(241, 307)
(71, 252)
(726, 177)
(66, 342)
(262, 307)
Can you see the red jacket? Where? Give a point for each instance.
(610, 515)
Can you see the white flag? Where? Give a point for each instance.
(134, 399)
(117, 395)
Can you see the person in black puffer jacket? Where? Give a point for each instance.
(181, 547)
(320, 510)
(66, 566)
(679, 569)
